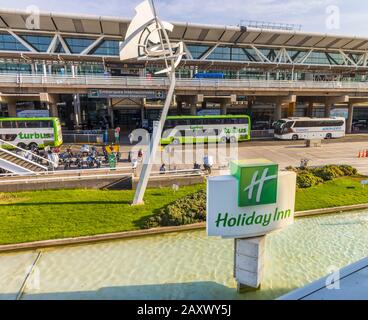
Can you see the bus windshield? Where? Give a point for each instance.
(279, 124)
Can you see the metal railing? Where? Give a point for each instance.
(63, 178)
(82, 138)
(77, 172)
(24, 152)
(92, 174)
(160, 83)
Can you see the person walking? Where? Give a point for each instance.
(134, 165)
(117, 135)
(163, 169)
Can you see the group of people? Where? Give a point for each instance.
(208, 163)
(51, 155)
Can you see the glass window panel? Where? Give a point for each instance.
(7, 124)
(197, 50)
(21, 124)
(9, 43)
(77, 45)
(220, 53)
(40, 42)
(107, 48)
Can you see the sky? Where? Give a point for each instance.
(326, 16)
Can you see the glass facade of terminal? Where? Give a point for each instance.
(234, 55)
(52, 57)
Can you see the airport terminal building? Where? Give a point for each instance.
(69, 67)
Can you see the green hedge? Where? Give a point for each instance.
(188, 210)
(307, 180)
(309, 177)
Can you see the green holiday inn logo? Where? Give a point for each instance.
(257, 182)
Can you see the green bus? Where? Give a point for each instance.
(204, 129)
(31, 132)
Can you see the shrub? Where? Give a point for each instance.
(309, 177)
(188, 210)
(328, 173)
(348, 170)
(291, 168)
(306, 180)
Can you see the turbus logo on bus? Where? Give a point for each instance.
(24, 136)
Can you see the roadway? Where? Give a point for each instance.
(285, 153)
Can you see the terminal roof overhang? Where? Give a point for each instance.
(115, 27)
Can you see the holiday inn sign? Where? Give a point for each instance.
(253, 201)
(257, 182)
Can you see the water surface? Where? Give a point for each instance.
(187, 265)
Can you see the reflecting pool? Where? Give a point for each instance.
(186, 265)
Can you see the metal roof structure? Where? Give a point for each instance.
(267, 47)
(114, 26)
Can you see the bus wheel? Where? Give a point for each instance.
(32, 145)
(328, 136)
(295, 137)
(223, 140)
(176, 142)
(21, 145)
(233, 140)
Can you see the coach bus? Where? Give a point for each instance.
(197, 129)
(310, 128)
(31, 132)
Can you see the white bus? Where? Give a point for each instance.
(206, 129)
(310, 128)
(31, 132)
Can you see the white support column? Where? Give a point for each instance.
(249, 263)
(52, 46)
(278, 111)
(310, 109)
(328, 106)
(193, 109)
(110, 111)
(223, 108)
(44, 68)
(64, 45)
(151, 153)
(77, 110)
(12, 108)
(349, 122)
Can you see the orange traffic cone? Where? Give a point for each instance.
(366, 154)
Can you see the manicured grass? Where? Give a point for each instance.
(340, 192)
(43, 215)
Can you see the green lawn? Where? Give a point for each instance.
(340, 192)
(42, 215)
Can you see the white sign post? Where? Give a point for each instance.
(253, 201)
(147, 39)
